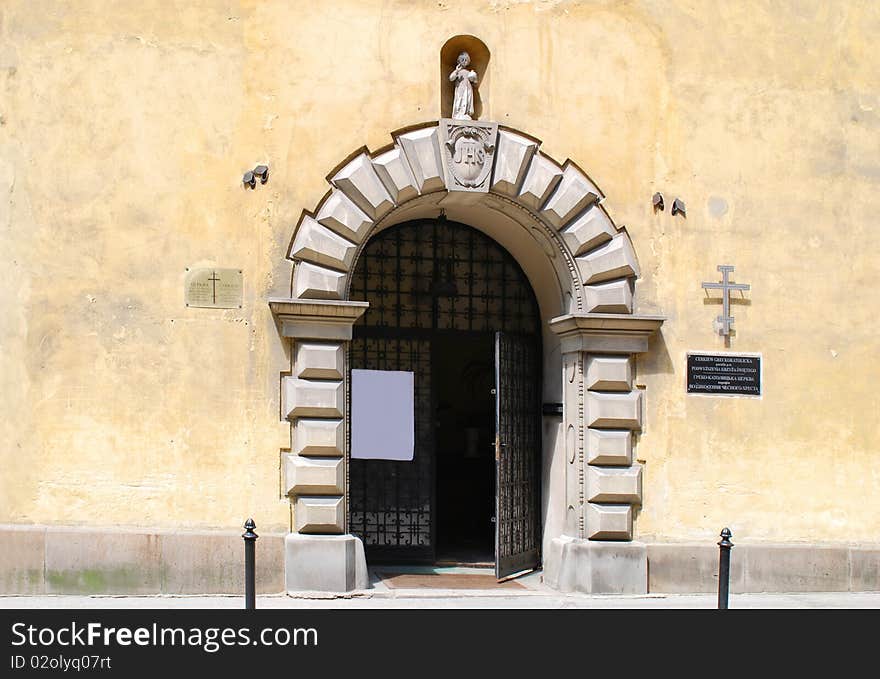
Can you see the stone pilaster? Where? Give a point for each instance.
(601, 413)
(319, 555)
(572, 422)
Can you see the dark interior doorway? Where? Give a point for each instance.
(464, 377)
(438, 293)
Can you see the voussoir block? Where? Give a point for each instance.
(319, 360)
(309, 398)
(315, 514)
(614, 411)
(313, 475)
(317, 243)
(588, 231)
(422, 151)
(512, 160)
(319, 437)
(609, 447)
(317, 282)
(339, 214)
(615, 259)
(615, 297)
(609, 373)
(395, 173)
(615, 485)
(574, 193)
(542, 178)
(608, 522)
(358, 180)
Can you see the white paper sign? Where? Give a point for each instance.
(382, 415)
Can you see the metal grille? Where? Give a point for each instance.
(440, 275)
(422, 279)
(518, 454)
(390, 502)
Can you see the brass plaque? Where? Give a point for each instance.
(213, 288)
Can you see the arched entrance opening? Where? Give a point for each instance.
(583, 272)
(453, 307)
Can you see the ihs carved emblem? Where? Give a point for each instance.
(469, 151)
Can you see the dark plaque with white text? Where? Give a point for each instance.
(724, 374)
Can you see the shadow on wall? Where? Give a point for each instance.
(734, 301)
(656, 361)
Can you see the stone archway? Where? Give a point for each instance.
(583, 269)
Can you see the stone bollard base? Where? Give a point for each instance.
(324, 563)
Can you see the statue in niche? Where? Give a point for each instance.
(465, 80)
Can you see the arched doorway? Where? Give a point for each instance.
(450, 305)
(583, 272)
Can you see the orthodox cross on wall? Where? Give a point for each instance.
(725, 319)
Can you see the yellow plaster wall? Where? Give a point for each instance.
(126, 128)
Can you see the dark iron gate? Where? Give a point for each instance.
(426, 279)
(517, 454)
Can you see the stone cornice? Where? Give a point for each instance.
(317, 319)
(605, 333)
(603, 323)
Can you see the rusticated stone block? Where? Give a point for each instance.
(318, 244)
(358, 180)
(614, 411)
(609, 373)
(339, 214)
(596, 567)
(616, 485)
(324, 563)
(422, 151)
(609, 447)
(589, 231)
(615, 297)
(574, 193)
(313, 514)
(319, 360)
(608, 522)
(324, 438)
(316, 282)
(542, 178)
(395, 173)
(307, 398)
(511, 162)
(313, 475)
(615, 259)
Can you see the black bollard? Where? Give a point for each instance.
(724, 569)
(250, 543)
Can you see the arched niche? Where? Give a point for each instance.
(480, 56)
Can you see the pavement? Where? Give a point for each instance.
(533, 595)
